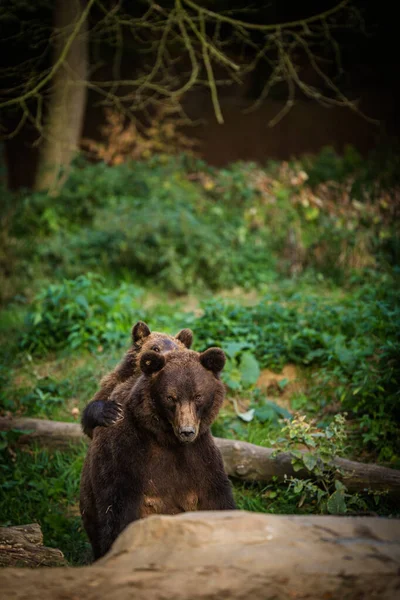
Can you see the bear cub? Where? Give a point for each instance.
(161, 457)
(100, 412)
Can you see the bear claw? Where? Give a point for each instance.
(112, 413)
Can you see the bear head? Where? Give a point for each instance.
(144, 340)
(183, 392)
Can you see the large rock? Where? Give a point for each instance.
(230, 555)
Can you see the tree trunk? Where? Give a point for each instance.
(22, 546)
(233, 555)
(67, 103)
(242, 460)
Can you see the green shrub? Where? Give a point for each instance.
(325, 487)
(80, 313)
(88, 187)
(328, 165)
(168, 233)
(353, 341)
(182, 225)
(86, 313)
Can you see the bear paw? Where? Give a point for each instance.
(112, 413)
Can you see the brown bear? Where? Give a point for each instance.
(161, 457)
(100, 412)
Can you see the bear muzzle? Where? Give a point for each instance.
(187, 434)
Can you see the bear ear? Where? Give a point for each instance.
(186, 337)
(213, 359)
(139, 332)
(151, 362)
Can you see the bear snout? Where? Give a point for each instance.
(187, 434)
(186, 423)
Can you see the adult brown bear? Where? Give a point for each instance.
(161, 458)
(101, 412)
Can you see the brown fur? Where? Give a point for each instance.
(97, 413)
(161, 458)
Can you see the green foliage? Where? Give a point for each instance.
(162, 229)
(88, 187)
(43, 487)
(181, 225)
(353, 341)
(242, 369)
(85, 313)
(44, 398)
(328, 165)
(80, 313)
(324, 489)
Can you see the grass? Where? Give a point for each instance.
(43, 487)
(53, 387)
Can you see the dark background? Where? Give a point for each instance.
(370, 74)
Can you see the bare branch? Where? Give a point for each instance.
(57, 65)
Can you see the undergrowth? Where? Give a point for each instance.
(182, 225)
(352, 341)
(43, 487)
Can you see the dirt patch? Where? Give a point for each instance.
(274, 386)
(281, 386)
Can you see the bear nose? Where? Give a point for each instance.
(187, 433)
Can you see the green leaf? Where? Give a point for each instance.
(282, 412)
(265, 413)
(283, 383)
(233, 348)
(297, 453)
(340, 487)
(297, 465)
(312, 213)
(37, 318)
(310, 461)
(82, 301)
(269, 411)
(336, 503)
(249, 369)
(298, 487)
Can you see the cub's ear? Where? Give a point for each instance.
(213, 359)
(139, 332)
(151, 362)
(186, 337)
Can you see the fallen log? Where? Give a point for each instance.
(254, 463)
(234, 555)
(51, 434)
(242, 460)
(22, 546)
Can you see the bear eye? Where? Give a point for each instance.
(170, 399)
(156, 349)
(197, 397)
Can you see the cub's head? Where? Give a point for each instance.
(185, 391)
(145, 340)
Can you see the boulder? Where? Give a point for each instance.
(230, 555)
